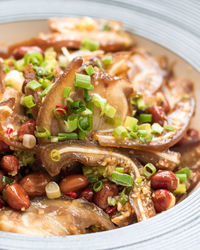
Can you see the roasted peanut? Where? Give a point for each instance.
(87, 193)
(2, 185)
(27, 127)
(73, 183)
(16, 197)
(164, 179)
(101, 197)
(158, 114)
(19, 52)
(10, 164)
(163, 200)
(34, 184)
(4, 147)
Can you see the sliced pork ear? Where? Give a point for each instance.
(70, 36)
(145, 73)
(55, 217)
(45, 117)
(175, 89)
(166, 160)
(179, 118)
(92, 155)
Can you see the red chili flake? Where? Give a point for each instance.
(9, 131)
(60, 107)
(111, 210)
(71, 194)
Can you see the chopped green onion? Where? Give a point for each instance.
(6, 68)
(19, 65)
(107, 60)
(145, 117)
(133, 135)
(77, 107)
(101, 170)
(28, 101)
(86, 96)
(71, 124)
(36, 58)
(59, 113)
(55, 155)
(86, 112)
(46, 91)
(130, 123)
(141, 104)
(181, 177)
(119, 169)
(34, 85)
(44, 82)
(123, 198)
(99, 102)
(88, 172)
(83, 123)
(99, 65)
(110, 111)
(42, 132)
(7, 180)
(142, 133)
(157, 129)
(149, 169)
(184, 171)
(181, 189)
(169, 128)
(83, 81)
(67, 136)
(53, 138)
(88, 44)
(81, 135)
(122, 179)
(145, 126)
(138, 180)
(111, 201)
(98, 186)
(119, 132)
(67, 91)
(106, 27)
(90, 70)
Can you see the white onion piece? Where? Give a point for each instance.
(29, 141)
(52, 190)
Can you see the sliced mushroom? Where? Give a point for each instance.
(55, 217)
(45, 117)
(166, 160)
(179, 118)
(92, 155)
(63, 35)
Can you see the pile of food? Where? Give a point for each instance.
(94, 131)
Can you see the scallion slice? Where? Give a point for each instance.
(59, 113)
(90, 70)
(130, 123)
(107, 60)
(149, 169)
(110, 111)
(55, 155)
(86, 96)
(119, 169)
(111, 201)
(122, 179)
(181, 177)
(36, 58)
(141, 104)
(77, 107)
(123, 198)
(6, 180)
(99, 102)
(71, 124)
(67, 91)
(184, 171)
(42, 132)
(157, 129)
(28, 101)
(88, 44)
(67, 136)
(83, 81)
(169, 128)
(119, 132)
(34, 85)
(98, 186)
(145, 117)
(181, 189)
(46, 91)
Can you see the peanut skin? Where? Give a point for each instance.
(164, 179)
(163, 200)
(10, 164)
(73, 183)
(16, 197)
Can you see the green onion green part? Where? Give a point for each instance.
(83, 81)
(181, 177)
(122, 179)
(88, 44)
(181, 189)
(90, 70)
(28, 101)
(111, 201)
(98, 186)
(169, 128)
(107, 60)
(42, 132)
(156, 128)
(55, 155)
(184, 171)
(149, 170)
(145, 118)
(67, 91)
